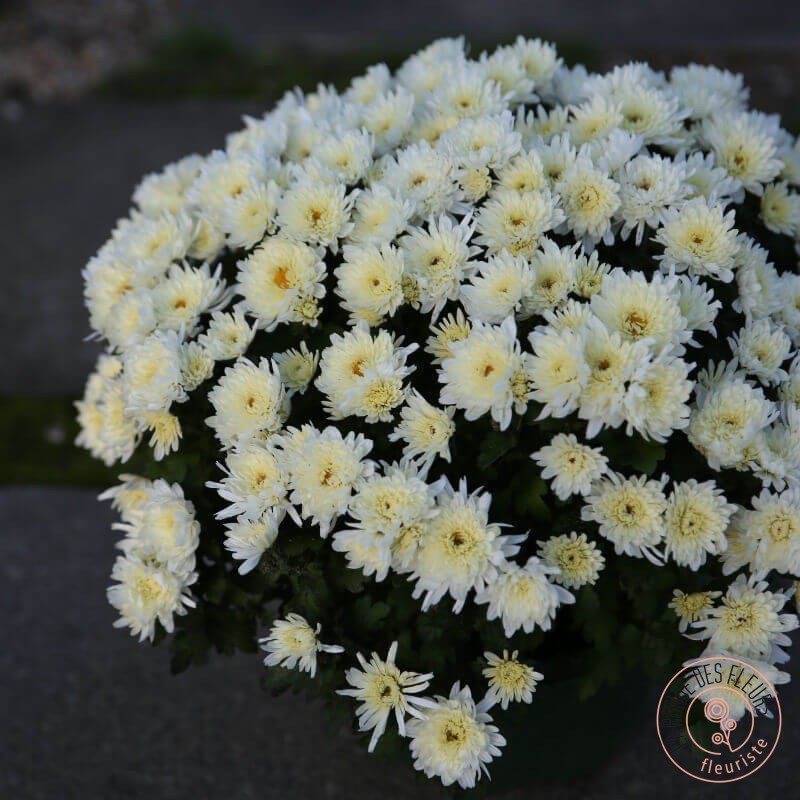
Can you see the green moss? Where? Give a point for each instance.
(196, 62)
(37, 437)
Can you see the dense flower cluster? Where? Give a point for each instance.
(610, 254)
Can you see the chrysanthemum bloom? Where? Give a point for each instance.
(696, 519)
(523, 597)
(747, 622)
(146, 593)
(292, 642)
(509, 680)
(455, 741)
(576, 558)
(629, 512)
(691, 607)
(426, 429)
(572, 466)
(460, 548)
(247, 540)
(700, 238)
(383, 690)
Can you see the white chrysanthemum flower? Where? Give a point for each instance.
(594, 119)
(315, 212)
(524, 597)
(558, 370)
(509, 680)
(727, 420)
(696, 519)
(652, 114)
(347, 155)
(165, 432)
(505, 66)
(166, 190)
(388, 117)
(761, 348)
(487, 142)
(707, 90)
(151, 374)
(152, 244)
(757, 281)
(499, 288)
(613, 365)
(656, 402)
(524, 173)
(425, 177)
(379, 216)
(700, 238)
(324, 468)
(363, 376)
(554, 271)
(146, 593)
(572, 465)
(455, 739)
(479, 375)
(692, 607)
(540, 60)
(648, 186)
(197, 366)
(248, 539)
(249, 403)
(557, 156)
(745, 146)
(706, 179)
(460, 549)
(697, 305)
(292, 642)
(747, 622)
(773, 526)
(249, 216)
(629, 513)
(426, 429)
(282, 281)
(516, 221)
(162, 528)
(107, 430)
(640, 309)
(254, 482)
(185, 294)
(222, 177)
(370, 281)
(576, 558)
(228, 335)
(297, 366)
(438, 259)
(590, 198)
(450, 329)
(780, 209)
(383, 690)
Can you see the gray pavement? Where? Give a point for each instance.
(88, 713)
(625, 23)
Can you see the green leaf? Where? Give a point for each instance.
(494, 446)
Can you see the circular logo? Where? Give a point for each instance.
(719, 719)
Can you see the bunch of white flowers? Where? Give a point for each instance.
(369, 298)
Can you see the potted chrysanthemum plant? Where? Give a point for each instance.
(470, 379)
